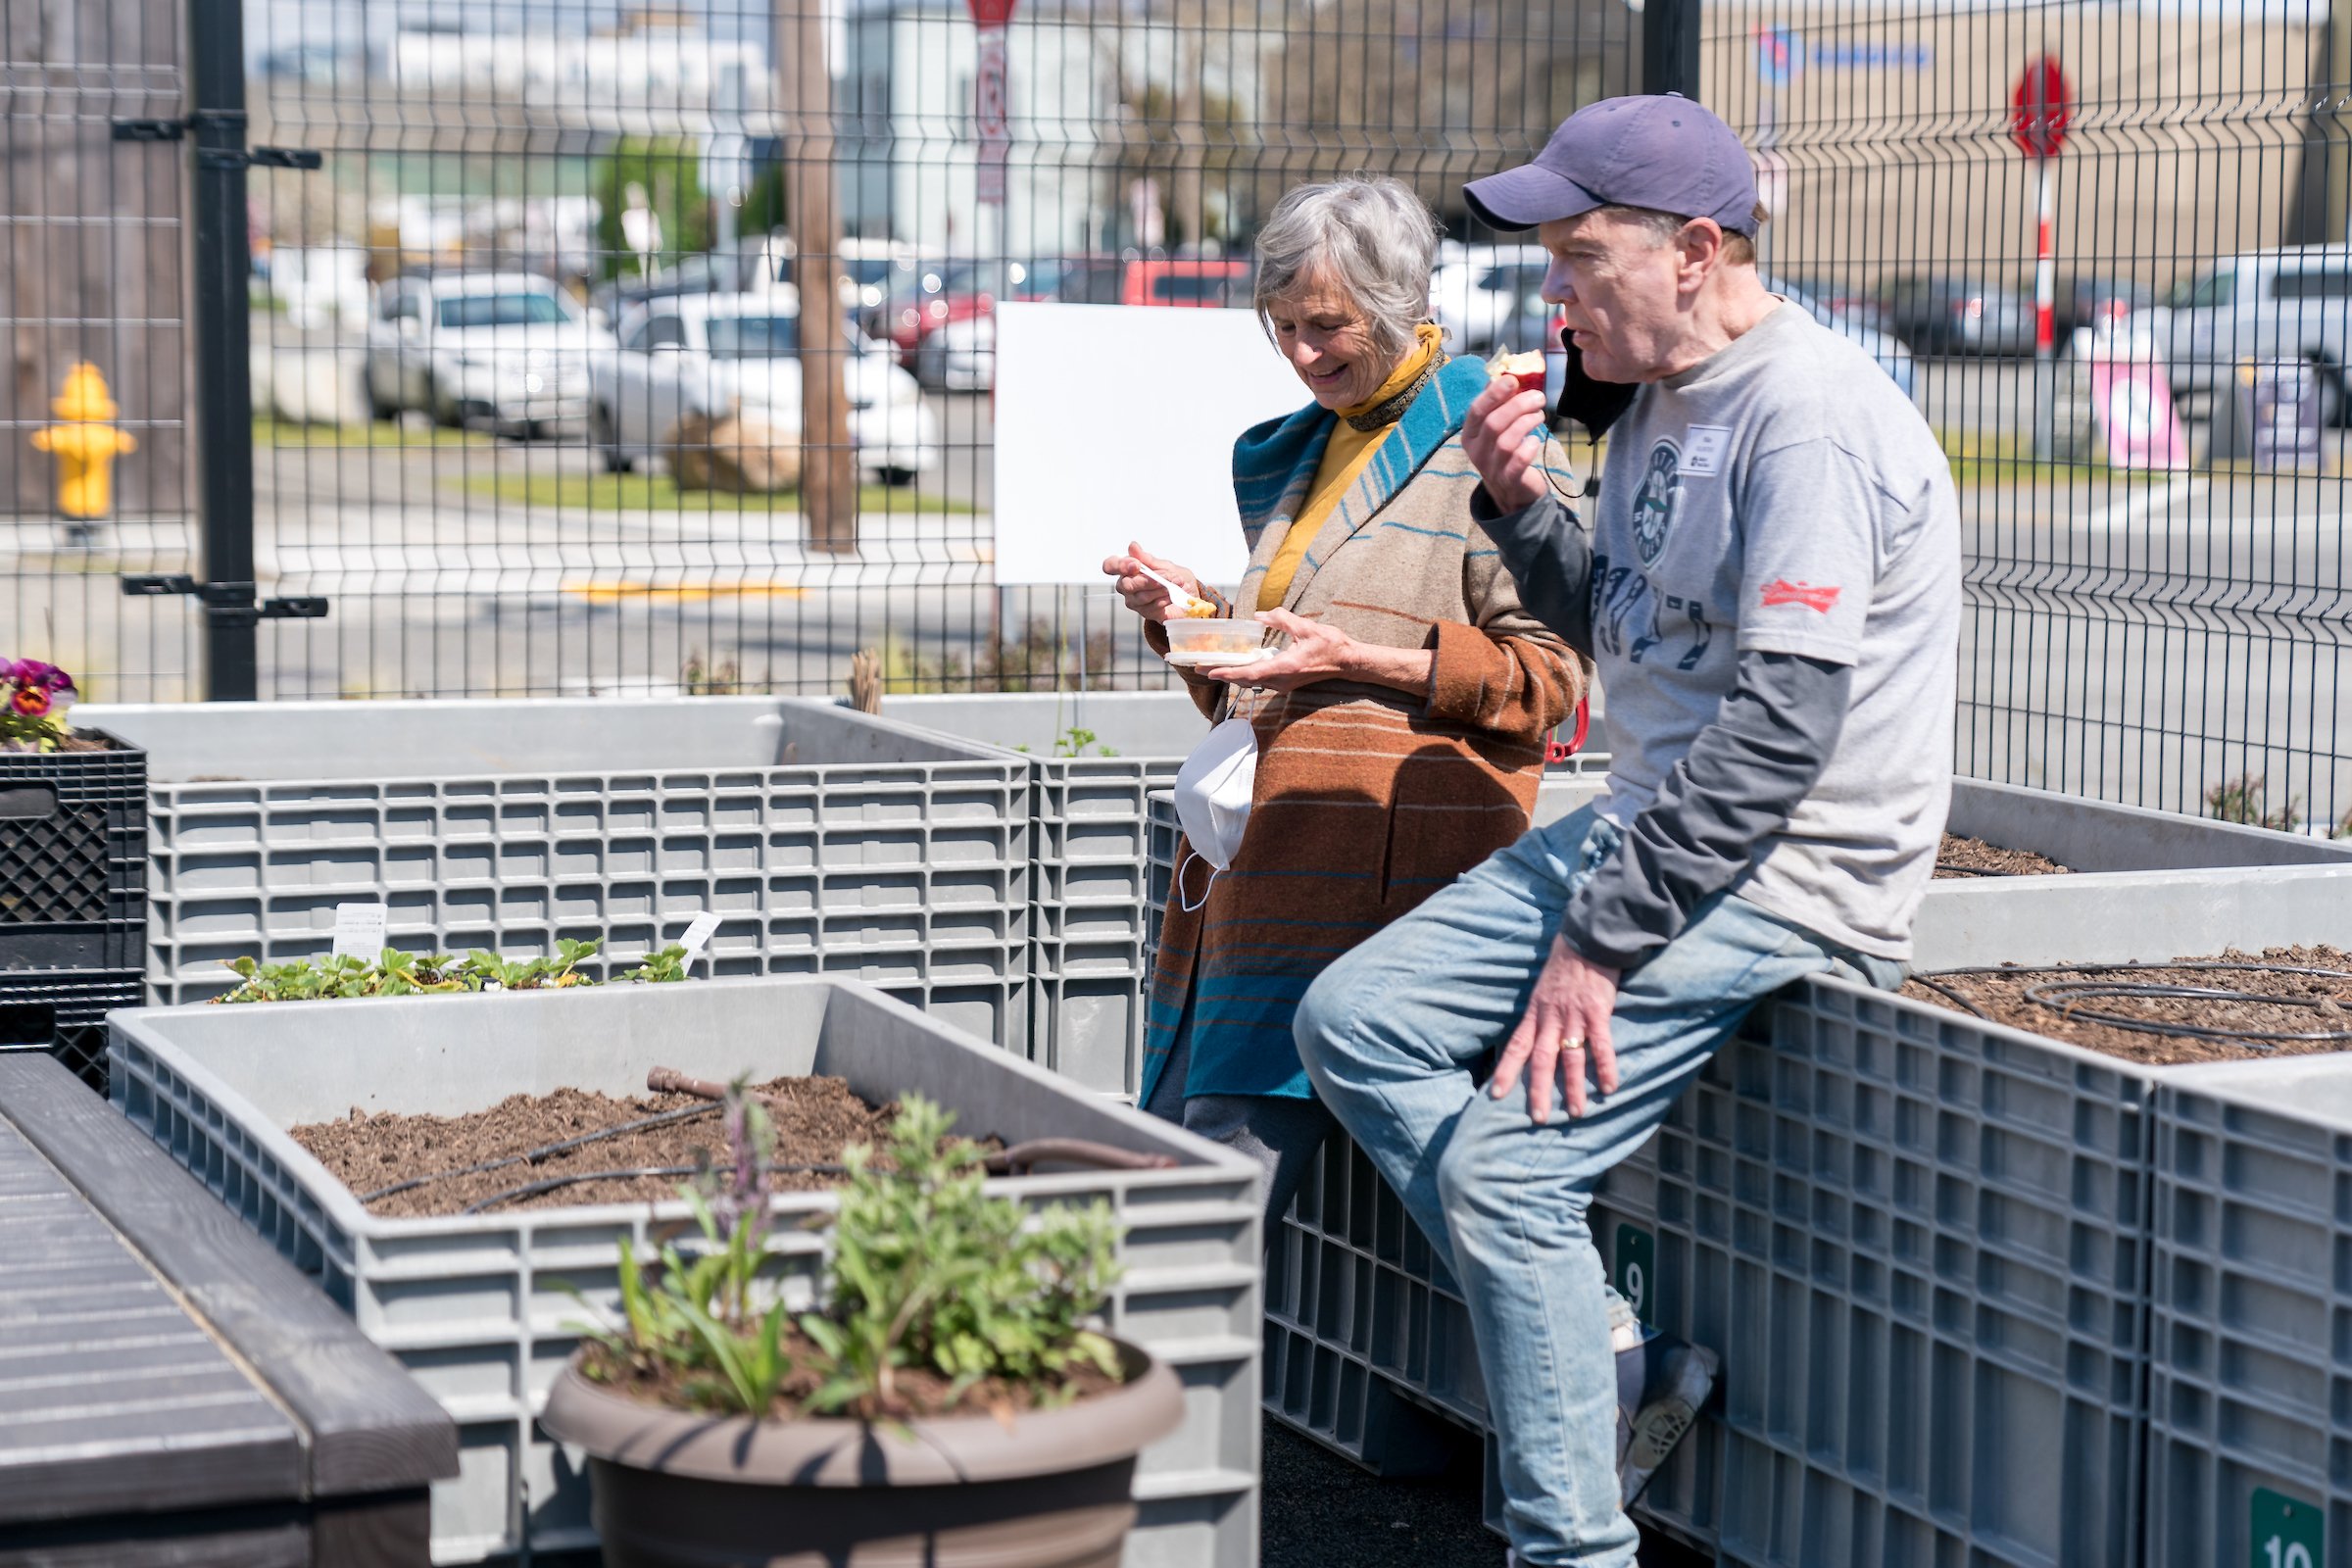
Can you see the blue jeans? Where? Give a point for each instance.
(1395, 1036)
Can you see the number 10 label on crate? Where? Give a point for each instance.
(2288, 1532)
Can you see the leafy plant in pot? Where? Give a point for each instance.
(939, 1404)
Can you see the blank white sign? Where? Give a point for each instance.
(1115, 422)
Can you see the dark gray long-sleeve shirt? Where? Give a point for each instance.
(1737, 786)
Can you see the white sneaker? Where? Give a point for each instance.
(1677, 1379)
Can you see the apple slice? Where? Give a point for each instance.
(1524, 369)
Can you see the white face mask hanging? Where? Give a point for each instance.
(1213, 790)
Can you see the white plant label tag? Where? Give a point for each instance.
(698, 935)
(359, 931)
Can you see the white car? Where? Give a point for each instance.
(722, 354)
(505, 350)
(2294, 304)
(1478, 299)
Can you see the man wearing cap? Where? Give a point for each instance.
(1769, 582)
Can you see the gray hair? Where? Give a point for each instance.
(1372, 236)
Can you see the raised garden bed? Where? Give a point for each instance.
(827, 842)
(1966, 857)
(479, 1307)
(2230, 1006)
(575, 1147)
(1921, 1239)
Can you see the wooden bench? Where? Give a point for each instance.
(174, 1394)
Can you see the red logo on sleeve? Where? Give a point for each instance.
(1781, 591)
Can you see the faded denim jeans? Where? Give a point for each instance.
(1397, 1036)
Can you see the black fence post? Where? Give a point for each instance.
(1670, 47)
(223, 330)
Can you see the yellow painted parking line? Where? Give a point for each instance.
(647, 593)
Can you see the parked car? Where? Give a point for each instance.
(722, 354)
(1937, 314)
(960, 355)
(1856, 304)
(2293, 304)
(1480, 299)
(955, 291)
(508, 351)
(2096, 303)
(1883, 347)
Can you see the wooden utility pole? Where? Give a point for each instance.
(804, 91)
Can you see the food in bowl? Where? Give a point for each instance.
(1217, 641)
(1526, 368)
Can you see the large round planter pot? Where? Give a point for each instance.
(1050, 1490)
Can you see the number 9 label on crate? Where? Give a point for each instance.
(1636, 1265)
(2288, 1532)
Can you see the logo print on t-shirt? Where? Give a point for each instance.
(1781, 591)
(1658, 498)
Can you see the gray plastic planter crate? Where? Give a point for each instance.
(1922, 1244)
(1919, 1242)
(829, 842)
(476, 1306)
(1088, 832)
(2250, 1383)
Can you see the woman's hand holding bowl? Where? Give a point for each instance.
(1316, 652)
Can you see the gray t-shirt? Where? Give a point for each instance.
(1785, 496)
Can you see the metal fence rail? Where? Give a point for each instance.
(515, 509)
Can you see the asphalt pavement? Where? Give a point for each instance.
(1321, 1511)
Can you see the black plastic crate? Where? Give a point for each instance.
(65, 1015)
(72, 859)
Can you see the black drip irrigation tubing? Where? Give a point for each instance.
(534, 1155)
(1956, 869)
(534, 1189)
(2065, 998)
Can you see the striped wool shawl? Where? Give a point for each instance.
(1368, 799)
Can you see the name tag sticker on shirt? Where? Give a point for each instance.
(1704, 447)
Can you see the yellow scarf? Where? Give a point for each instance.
(1345, 460)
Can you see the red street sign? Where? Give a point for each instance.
(2041, 109)
(987, 14)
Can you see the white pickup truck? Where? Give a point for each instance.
(2292, 304)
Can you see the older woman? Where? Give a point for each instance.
(1401, 731)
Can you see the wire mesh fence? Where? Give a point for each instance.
(2152, 502)
(541, 405)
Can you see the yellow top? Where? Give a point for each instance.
(1345, 460)
(85, 395)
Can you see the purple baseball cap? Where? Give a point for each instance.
(1663, 152)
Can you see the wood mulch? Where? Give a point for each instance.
(815, 1119)
(1974, 858)
(2304, 1004)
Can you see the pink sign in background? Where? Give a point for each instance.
(2133, 401)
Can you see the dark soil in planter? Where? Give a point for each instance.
(815, 1118)
(1974, 858)
(918, 1390)
(2307, 1005)
(76, 740)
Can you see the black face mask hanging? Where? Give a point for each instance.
(1594, 404)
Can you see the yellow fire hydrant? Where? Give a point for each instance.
(85, 446)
